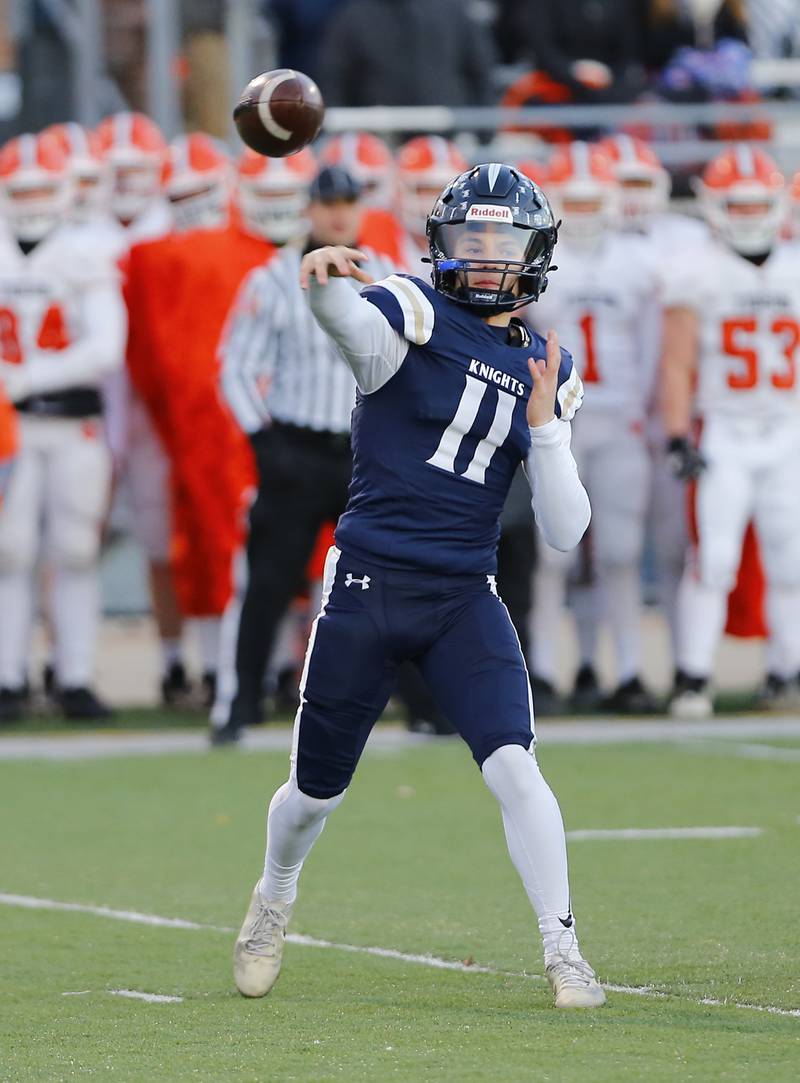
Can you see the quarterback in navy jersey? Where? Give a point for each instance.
(454, 393)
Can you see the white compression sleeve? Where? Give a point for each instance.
(294, 824)
(560, 502)
(369, 344)
(535, 836)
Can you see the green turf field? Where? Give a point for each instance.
(413, 861)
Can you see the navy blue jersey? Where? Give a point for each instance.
(436, 447)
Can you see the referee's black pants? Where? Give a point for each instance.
(303, 479)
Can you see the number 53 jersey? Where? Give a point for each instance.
(748, 330)
(436, 447)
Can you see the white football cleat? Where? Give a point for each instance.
(691, 706)
(258, 951)
(574, 983)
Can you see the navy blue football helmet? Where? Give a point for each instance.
(491, 236)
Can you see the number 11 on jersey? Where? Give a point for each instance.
(471, 398)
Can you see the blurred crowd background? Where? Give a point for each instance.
(511, 80)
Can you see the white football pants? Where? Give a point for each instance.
(614, 466)
(147, 472)
(752, 473)
(58, 495)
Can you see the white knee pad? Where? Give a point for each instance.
(509, 771)
(302, 810)
(75, 543)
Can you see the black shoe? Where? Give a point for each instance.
(49, 681)
(586, 695)
(14, 703)
(175, 685)
(437, 727)
(223, 736)
(209, 687)
(773, 693)
(82, 703)
(546, 701)
(631, 698)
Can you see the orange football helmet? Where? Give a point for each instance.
(35, 186)
(644, 183)
(369, 160)
(136, 152)
(273, 193)
(581, 186)
(89, 172)
(197, 182)
(425, 165)
(743, 196)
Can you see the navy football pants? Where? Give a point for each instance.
(457, 631)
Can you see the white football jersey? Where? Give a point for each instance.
(749, 318)
(673, 234)
(48, 300)
(604, 303)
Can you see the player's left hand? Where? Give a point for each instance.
(542, 401)
(13, 380)
(333, 261)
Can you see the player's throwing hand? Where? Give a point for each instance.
(542, 401)
(333, 261)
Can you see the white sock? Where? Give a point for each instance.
(549, 588)
(16, 613)
(171, 654)
(535, 837)
(622, 604)
(76, 611)
(207, 630)
(783, 616)
(294, 823)
(701, 622)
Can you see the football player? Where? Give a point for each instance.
(644, 186)
(62, 330)
(454, 393)
(605, 302)
(198, 182)
(733, 325)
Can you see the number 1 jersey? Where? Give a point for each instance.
(436, 447)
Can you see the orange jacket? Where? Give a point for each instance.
(179, 291)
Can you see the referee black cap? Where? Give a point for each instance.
(334, 182)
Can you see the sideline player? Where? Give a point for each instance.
(606, 302)
(733, 324)
(450, 402)
(63, 331)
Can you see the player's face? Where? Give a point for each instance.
(493, 245)
(336, 221)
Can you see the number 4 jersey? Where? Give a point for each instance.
(749, 329)
(437, 444)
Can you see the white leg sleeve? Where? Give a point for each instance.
(294, 823)
(76, 613)
(701, 621)
(783, 611)
(622, 604)
(535, 836)
(16, 611)
(207, 632)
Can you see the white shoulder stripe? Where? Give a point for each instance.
(570, 395)
(418, 315)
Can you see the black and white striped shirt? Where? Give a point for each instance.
(277, 362)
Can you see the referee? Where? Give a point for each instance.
(292, 393)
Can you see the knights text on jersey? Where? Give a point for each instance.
(436, 447)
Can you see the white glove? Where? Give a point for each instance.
(14, 380)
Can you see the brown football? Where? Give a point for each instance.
(279, 112)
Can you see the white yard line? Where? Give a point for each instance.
(151, 998)
(636, 833)
(391, 738)
(33, 903)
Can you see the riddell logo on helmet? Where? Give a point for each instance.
(489, 212)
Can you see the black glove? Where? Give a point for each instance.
(685, 461)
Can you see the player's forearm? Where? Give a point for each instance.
(676, 380)
(560, 502)
(372, 348)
